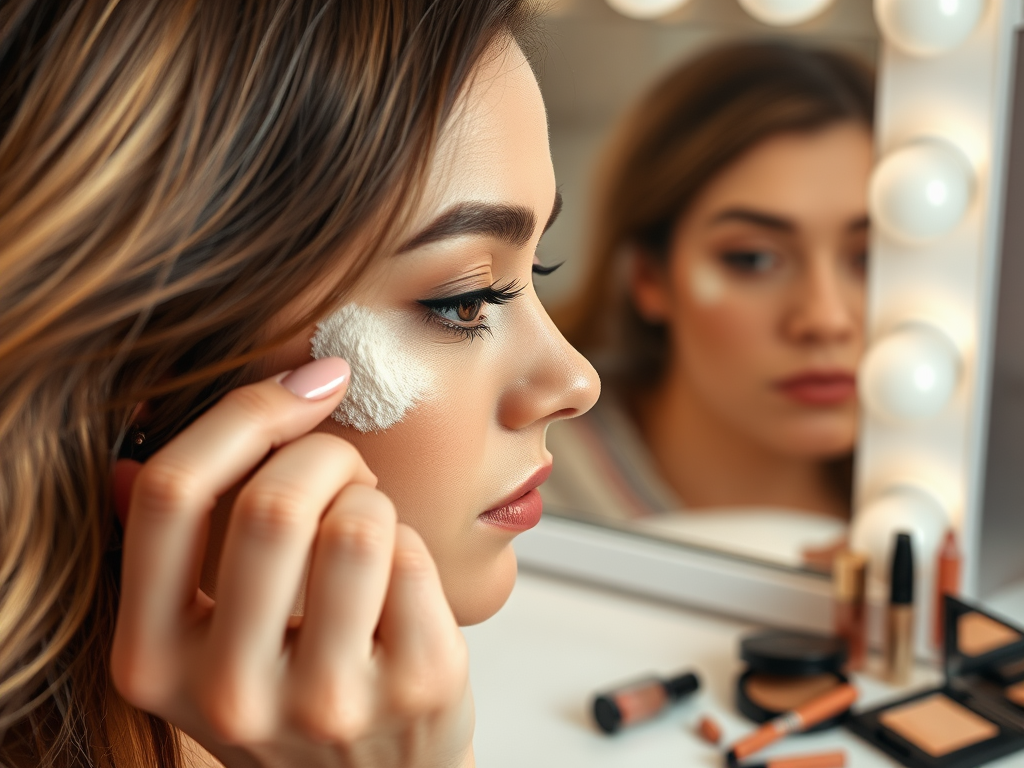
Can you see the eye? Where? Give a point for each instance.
(469, 310)
(752, 261)
(463, 314)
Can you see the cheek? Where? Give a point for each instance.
(730, 335)
(434, 466)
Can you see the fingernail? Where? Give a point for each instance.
(317, 380)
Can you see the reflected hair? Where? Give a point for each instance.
(173, 175)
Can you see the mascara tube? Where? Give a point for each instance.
(899, 648)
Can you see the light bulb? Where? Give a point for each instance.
(646, 9)
(928, 27)
(910, 374)
(922, 190)
(781, 13)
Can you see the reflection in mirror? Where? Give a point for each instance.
(716, 234)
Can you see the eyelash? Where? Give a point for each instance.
(495, 295)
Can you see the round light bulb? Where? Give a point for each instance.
(646, 9)
(922, 190)
(900, 509)
(910, 374)
(928, 27)
(783, 13)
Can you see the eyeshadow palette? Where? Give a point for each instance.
(977, 716)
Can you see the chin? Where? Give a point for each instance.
(822, 441)
(474, 596)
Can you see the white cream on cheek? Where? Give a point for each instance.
(706, 284)
(386, 380)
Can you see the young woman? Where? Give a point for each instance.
(726, 291)
(197, 199)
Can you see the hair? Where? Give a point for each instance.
(174, 174)
(694, 123)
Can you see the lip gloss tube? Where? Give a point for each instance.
(641, 700)
(849, 579)
(899, 648)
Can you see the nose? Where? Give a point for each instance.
(827, 307)
(551, 380)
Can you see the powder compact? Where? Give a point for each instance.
(786, 670)
(977, 716)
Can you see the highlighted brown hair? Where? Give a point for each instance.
(173, 173)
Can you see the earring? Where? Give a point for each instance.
(138, 436)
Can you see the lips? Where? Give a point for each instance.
(521, 509)
(820, 388)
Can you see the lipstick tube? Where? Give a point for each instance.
(947, 582)
(849, 574)
(640, 700)
(899, 647)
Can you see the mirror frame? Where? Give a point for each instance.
(952, 281)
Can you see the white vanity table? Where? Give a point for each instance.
(536, 663)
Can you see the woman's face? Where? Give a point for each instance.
(764, 292)
(495, 375)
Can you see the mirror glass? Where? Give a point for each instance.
(714, 244)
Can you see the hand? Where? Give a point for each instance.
(376, 673)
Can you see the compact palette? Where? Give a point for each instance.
(977, 716)
(786, 670)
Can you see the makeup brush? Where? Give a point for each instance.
(833, 703)
(821, 760)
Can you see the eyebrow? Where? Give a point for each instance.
(770, 221)
(514, 224)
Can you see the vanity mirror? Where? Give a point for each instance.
(916, 437)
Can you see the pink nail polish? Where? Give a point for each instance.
(317, 380)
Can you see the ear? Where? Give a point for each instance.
(125, 471)
(648, 287)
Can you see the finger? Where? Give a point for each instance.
(271, 531)
(424, 652)
(176, 489)
(348, 579)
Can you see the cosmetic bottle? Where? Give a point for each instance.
(849, 575)
(641, 700)
(899, 647)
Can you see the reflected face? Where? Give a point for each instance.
(457, 305)
(764, 296)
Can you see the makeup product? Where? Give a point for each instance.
(821, 760)
(641, 700)
(709, 730)
(786, 670)
(386, 380)
(947, 582)
(976, 716)
(849, 576)
(827, 707)
(899, 646)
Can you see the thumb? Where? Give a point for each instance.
(125, 471)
